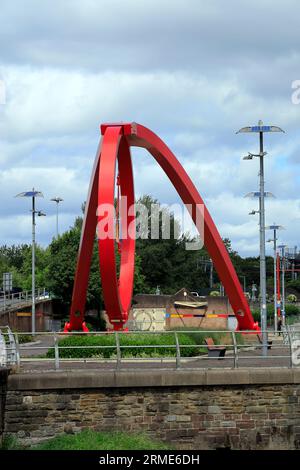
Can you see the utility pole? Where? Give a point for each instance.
(33, 194)
(261, 129)
(275, 227)
(283, 247)
(207, 263)
(57, 200)
(33, 265)
(211, 274)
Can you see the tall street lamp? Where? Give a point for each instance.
(261, 129)
(275, 227)
(282, 248)
(57, 200)
(33, 194)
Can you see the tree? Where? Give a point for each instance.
(166, 262)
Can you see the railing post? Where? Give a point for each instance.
(235, 350)
(56, 352)
(290, 345)
(18, 357)
(119, 356)
(178, 362)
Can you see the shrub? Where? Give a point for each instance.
(292, 298)
(215, 293)
(162, 345)
(290, 310)
(25, 338)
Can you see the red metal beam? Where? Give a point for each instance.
(117, 140)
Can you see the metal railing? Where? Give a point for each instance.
(12, 300)
(178, 354)
(9, 350)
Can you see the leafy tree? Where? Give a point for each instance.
(63, 253)
(166, 262)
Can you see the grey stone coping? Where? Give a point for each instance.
(81, 379)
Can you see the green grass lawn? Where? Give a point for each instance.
(92, 440)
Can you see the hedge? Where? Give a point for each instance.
(126, 339)
(290, 310)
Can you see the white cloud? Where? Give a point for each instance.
(192, 73)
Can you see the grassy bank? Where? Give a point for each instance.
(91, 440)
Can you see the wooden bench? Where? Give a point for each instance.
(213, 350)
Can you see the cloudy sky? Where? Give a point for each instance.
(192, 71)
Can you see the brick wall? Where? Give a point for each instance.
(235, 415)
(4, 372)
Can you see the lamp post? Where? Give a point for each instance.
(261, 129)
(275, 227)
(282, 248)
(33, 194)
(57, 200)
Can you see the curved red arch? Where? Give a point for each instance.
(117, 292)
(115, 145)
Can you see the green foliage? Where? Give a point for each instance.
(214, 293)
(62, 263)
(291, 298)
(17, 260)
(10, 443)
(91, 440)
(295, 284)
(163, 344)
(166, 262)
(25, 338)
(290, 310)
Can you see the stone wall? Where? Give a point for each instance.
(190, 409)
(4, 372)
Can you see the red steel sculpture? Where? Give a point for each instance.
(114, 149)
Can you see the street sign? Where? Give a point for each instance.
(7, 282)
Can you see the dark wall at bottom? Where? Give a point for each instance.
(265, 416)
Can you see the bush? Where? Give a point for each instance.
(215, 293)
(292, 298)
(138, 343)
(290, 310)
(295, 284)
(25, 338)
